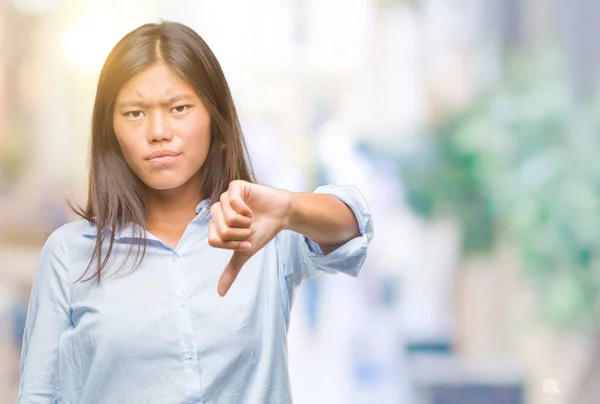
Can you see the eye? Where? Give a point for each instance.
(180, 109)
(133, 115)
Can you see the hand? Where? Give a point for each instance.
(245, 219)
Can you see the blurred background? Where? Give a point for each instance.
(471, 126)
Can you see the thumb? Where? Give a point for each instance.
(231, 272)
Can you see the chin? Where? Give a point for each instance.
(164, 185)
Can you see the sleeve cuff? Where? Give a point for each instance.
(354, 250)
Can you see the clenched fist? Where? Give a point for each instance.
(244, 220)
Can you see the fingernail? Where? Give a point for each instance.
(245, 245)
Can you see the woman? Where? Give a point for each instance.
(136, 302)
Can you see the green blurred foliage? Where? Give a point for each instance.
(523, 164)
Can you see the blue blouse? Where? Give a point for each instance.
(161, 333)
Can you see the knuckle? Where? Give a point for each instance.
(236, 184)
(225, 234)
(213, 240)
(230, 220)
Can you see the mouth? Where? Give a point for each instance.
(162, 156)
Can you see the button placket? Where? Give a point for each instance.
(182, 305)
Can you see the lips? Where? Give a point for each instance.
(162, 155)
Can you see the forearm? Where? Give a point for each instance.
(323, 218)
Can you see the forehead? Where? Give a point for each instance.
(158, 81)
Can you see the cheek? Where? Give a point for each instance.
(128, 147)
(197, 140)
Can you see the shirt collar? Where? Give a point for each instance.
(202, 205)
(133, 231)
(129, 231)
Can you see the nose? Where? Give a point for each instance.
(159, 130)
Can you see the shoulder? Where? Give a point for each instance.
(69, 231)
(68, 235)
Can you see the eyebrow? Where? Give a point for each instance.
(172, 100)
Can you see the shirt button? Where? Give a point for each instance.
(182, 303)
(189, 355)
(175, 257)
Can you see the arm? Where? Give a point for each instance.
(248, 216)
(47, 318)
(323, 218)
(302, 246)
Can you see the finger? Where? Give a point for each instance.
(225, 232)
(237, 197)
(214, 240)
(231, 272)
(231, 217)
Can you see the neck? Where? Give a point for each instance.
(171, 210)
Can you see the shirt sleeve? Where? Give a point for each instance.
(47, 318)
(302, 258)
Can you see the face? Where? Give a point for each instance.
(163, 128)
